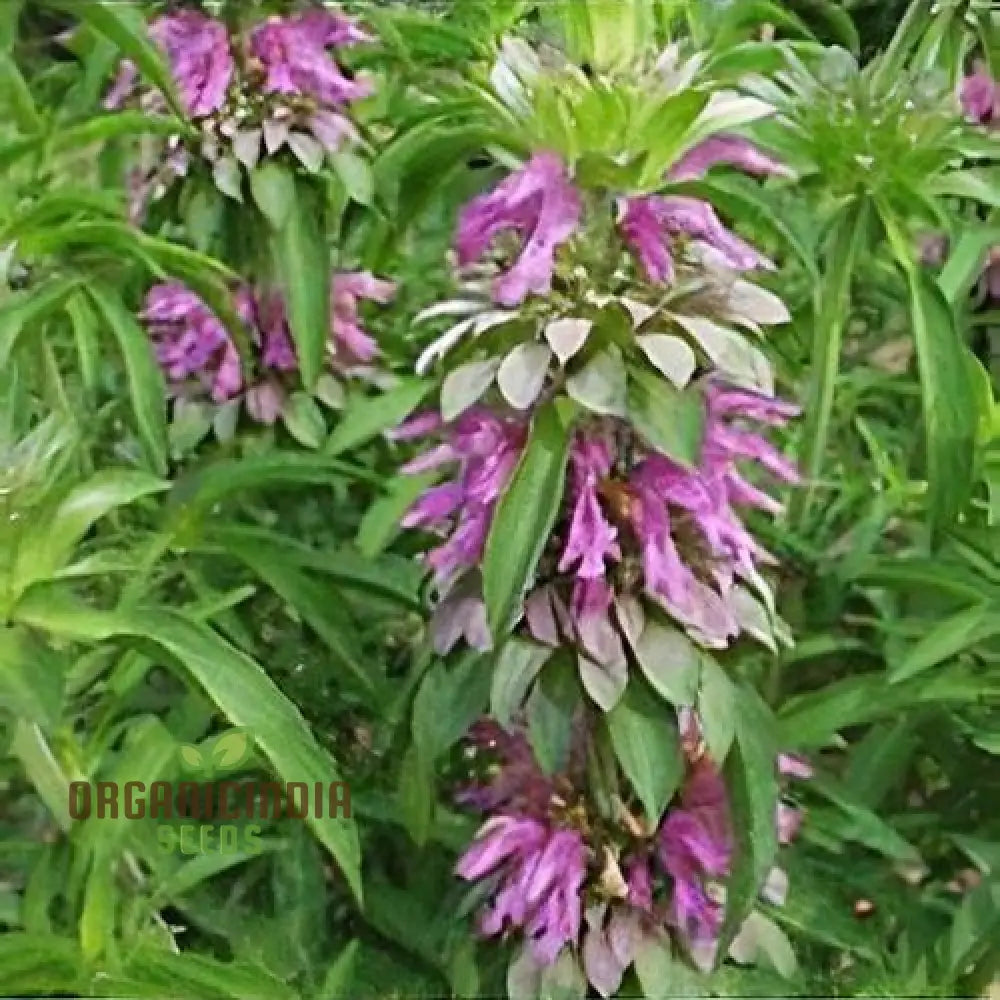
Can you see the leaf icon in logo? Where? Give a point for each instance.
(231, 749)
(192, 757)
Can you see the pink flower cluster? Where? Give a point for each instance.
(680, 524)
(191, 341)
(540, 852)
(279, 84)
(539, 204)
(291, 52)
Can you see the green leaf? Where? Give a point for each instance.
(197, 491)
(380, 523)
(643, 732)
(303, 418)
(517, 665)
(670, 419)
(752, 782)
(717, 707)
(670, 661)
(146, 387)
(166, 973)
(966, 260)
(315, 601)
(812, 719)
(550, 710)
(367, 416)
(273, 190)
(49, 546)
(25, 308)
(240, 688)
(31, 678)
(303, 265)
(947, 638)
(39, 964)
(975, 927)
(945, 378)
(524, 518)
(447, 702)
(980, 184)
(123, 25)
(356, 174)
(863, 826)
(832, 313)
(339, 977)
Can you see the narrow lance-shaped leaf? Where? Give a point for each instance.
(146, 388)
(524, 518)
(238, 685)
(644, 736)
(832, 313)
(751, 779)
(945, 378)
(123, 25)
(303, 264)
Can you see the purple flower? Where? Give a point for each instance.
(278, 352)
(351, 343)
(486, 449)
(541, 206)
(197, 50)
(540, 871)
(732, 150)
(980, 96)
(695, 847)
(649, 222)
(591, 537)
(189, 339)
(293, 53)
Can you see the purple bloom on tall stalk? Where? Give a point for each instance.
(293, 54)
(539, 204)
(541, 870)
(649, 224)
(486, 449)
(197, 51)
(731, 150)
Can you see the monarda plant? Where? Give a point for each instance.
(263, 118)
(602, 439)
